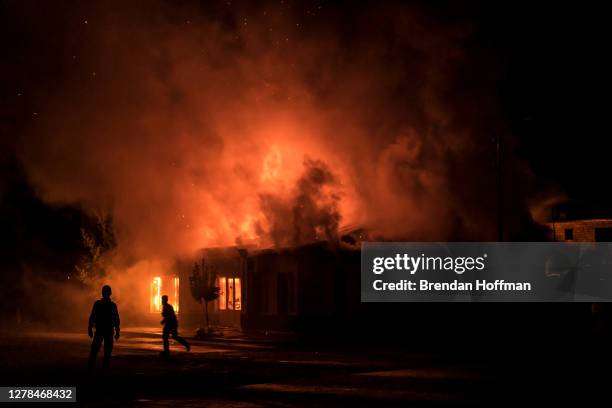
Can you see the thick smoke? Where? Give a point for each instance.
(310, 214)
(269, 125)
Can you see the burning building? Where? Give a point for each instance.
(278, 131)
(270, 289)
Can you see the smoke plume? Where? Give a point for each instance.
(272, 125)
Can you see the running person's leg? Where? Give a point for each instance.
(165, 337)
(181, 340)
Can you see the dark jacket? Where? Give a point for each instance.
(104, 315)
(169, 317)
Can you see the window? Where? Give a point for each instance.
(156, 295)
(237, 294)
(229, 293)
(164, 286)
(569, 234)
(176, 302)
(222, 292)
(603, 234)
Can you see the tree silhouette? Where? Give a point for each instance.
(203, 281)
(99, 241)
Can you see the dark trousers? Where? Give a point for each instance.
(99, 337)
(172, 331)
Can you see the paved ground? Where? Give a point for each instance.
(240, 371)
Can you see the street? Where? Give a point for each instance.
(236, 370)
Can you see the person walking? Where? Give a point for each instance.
(104, 318)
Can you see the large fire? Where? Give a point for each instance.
(275, 133)
(225, 135)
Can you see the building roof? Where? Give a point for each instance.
(574, 211)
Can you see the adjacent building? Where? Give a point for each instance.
(574, 222)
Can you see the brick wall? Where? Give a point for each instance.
(582, 230)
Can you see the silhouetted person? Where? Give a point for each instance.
(105, 318)
(170, 327)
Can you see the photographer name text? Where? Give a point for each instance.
(424, 285)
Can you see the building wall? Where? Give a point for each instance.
(191, 312)
(309, 286)
(262, 303)
(581, 230)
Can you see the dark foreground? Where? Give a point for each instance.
(241, 371)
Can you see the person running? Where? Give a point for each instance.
(170, 323)
(105, 318)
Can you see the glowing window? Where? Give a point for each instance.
(170, 288)
(176, 302)
(222, 292)
(156, 294)
(229, 294)
(237, 292)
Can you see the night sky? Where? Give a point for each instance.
(543, 63)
